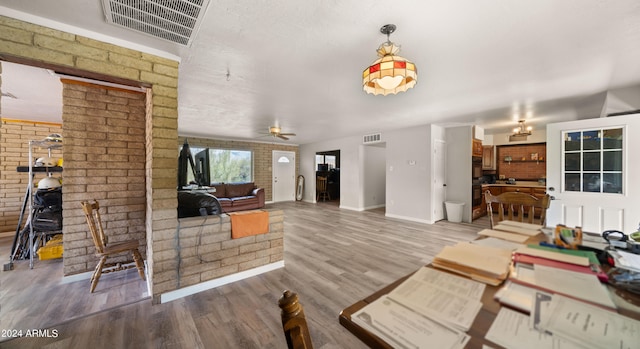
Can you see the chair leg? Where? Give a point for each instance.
(139, 263)
(97, 272)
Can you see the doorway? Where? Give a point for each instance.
(439, 168)
(328, 165)
(284, 176)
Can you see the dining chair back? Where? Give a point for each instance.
(517, 206)
(104, 249)
(321, 189)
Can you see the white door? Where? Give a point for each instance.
(592, 173)
(439, 167)
(284, 173)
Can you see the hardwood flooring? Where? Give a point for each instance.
(333, 258)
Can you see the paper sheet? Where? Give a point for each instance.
(579, 285)
(517, 296)
(441, 296)
(590, 326)
(627, 260)
(401, 327)
(511, 330)
(498, 243)
(517, 229)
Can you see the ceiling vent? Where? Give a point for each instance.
(172, 20)
(373, 138)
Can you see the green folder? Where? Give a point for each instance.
(593, 259)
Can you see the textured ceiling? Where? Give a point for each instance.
(298, 64)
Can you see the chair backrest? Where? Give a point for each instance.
(321, 184)
(294, 323)
(517, 205)
(92, 213)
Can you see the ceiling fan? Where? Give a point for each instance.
(276, 131)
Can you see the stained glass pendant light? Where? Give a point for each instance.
(390, 73)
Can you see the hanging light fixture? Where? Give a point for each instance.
(390, 73)
(521, 132)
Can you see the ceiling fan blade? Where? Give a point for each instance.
(283, 137)
(288, 134)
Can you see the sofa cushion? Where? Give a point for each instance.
(225, 202)
(220, 190)
(244, 200)
(240, 189)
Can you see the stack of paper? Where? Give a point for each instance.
(447, 298)
(574, 260)
(498, 243)
(522, 233)
(519, 227)
(561, 322)
(401, 327)
(559, 275)
(482, 263)
(587, 325)
(430, 309)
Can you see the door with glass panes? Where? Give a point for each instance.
(593, 173)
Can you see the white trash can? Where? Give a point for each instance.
(454, 211)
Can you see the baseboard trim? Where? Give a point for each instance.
(374, 207)
(359, 209)
(207, 285)
(412, 219)
(76, 277)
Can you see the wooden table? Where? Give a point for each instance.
(477, 332)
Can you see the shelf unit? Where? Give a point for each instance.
(49, 145)
(523, 161)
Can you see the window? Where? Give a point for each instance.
(230, 166)
(329, 160)
(593, 161)
(220, 165)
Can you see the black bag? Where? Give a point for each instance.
(192, 204)
(46, 220)
(50, 199)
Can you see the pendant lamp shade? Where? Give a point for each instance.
(390, 73)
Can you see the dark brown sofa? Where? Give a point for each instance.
(239, 196)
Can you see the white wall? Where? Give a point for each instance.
(350, 169)
(459, 167)
(374, 176)
(409, 174)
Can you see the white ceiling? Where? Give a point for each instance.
(299, 64)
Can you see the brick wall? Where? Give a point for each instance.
(14, 151)
(202, 250)
(104, 152)
(528, 170)
(262, 157)
(40, 44)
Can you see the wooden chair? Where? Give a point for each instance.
(294, 323)
(104, 250)
(321, 189)
(517, 205)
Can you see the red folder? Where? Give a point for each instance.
(591, 269)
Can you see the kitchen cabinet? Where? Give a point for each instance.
(488, 157)
(477, 148)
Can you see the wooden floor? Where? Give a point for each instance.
(333, 258)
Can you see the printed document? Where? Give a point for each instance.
(590, 326)
(511, 330)
(441, 296)
(401, 327)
